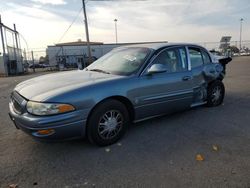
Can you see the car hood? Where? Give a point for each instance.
(43, 87)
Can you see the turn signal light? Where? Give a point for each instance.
(65, 108)
(46, 131)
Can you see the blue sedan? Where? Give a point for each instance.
(128, 84)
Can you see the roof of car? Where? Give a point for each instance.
(157, 46)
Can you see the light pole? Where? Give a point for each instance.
(115, 20)
(241, 20)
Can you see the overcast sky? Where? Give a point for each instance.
(43, 22)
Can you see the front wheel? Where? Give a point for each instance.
(107, 123)
(215, 93)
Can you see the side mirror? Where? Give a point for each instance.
(157, 68)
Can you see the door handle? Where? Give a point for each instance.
(186, 78)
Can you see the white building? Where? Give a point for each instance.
(73, 53)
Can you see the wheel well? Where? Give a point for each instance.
(217, 79)
(121, 99)
(128, 105)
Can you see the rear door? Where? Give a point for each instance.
(166, 92)
(199, 62)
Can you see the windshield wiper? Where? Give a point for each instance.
(99, 70)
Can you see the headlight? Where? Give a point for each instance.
(41, 109)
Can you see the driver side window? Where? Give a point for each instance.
(171, 60)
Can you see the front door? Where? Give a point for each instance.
(165, 92)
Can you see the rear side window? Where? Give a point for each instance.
(206, 57)
(195, 57)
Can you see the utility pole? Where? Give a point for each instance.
(115, 20)
(86, 29)
(241, 20)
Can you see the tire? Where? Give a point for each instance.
(107, 123)
(215, 93)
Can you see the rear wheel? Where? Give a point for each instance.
(215, 93)
(107, 123)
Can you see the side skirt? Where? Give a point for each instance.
(198, 104)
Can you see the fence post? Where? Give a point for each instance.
(33, 62)
(4, 54)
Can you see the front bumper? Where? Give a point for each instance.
(65, 126)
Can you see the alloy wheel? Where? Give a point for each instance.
(216, 94)
(110, 124)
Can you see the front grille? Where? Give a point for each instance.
(17, 102)
(17, 107)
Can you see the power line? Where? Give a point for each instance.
(70, 25)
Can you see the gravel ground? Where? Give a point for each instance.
(155, 153)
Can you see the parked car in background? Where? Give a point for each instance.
(129, 84)
(38, 66)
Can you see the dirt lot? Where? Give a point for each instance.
(155, 153)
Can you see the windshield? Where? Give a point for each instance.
(122, 61)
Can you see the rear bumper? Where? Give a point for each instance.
(64, 126)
